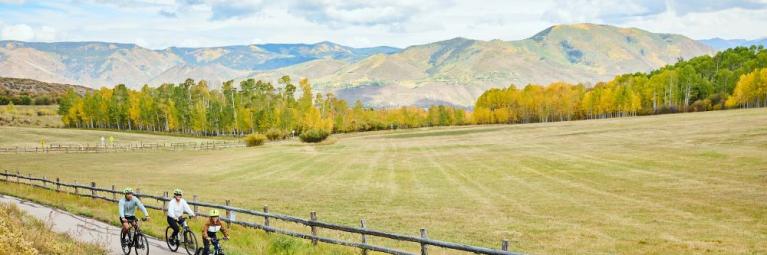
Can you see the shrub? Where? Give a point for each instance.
(255, 140)
(276, 134)
(314, 135)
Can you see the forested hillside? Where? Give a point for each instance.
(731, 78)
(32, 92)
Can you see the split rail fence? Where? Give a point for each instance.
(95, 148)
(314, 225)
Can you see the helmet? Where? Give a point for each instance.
(178, 192)
(213, 213)
(128, 190)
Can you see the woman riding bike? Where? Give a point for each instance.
(209, 231)
(176, 208)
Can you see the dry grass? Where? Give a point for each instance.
(24, 235)
(30, 136)
(672, 184)
(30, 116)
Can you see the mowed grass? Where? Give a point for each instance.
(672, 184)
(31, 137)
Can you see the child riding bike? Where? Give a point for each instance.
(210, 231)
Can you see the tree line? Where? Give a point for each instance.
(252, 107)
(732, 78)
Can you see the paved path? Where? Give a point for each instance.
(81, 228)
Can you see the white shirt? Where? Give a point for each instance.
(177, 208)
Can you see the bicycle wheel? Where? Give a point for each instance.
(168, 237)
(142, 245)
(190, 242)
(125, 241)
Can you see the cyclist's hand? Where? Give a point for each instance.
(124, 220)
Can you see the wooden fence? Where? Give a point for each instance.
(95, 148)
(91, 190)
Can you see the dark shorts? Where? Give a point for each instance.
(129, 218)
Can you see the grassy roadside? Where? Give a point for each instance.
(25, 235)
(244, 240)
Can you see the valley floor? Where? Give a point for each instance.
(672, 184)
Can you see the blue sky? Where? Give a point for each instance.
(195, 23)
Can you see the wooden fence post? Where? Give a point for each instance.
(93, 190)
(313, 217)
(45, 182)
(6, 175)
(77, 191)
(138, 191)
(194, 199)
(424, 248)
(364, 238)
(17, 176)
(266, 217)
(228, 215)
(114, 193)
(164, 203)
(58, 185)
(505, 245)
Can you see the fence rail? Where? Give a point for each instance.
(423, 240)
(96, 148)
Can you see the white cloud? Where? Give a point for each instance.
(24, 32)
(163, 23)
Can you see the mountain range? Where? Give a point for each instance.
(722, 44)
(453, 71)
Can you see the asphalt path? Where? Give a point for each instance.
(84, 229)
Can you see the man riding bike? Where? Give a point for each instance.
(127, 209)
(176, 209)
(209, 231)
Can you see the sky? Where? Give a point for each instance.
(159, 24)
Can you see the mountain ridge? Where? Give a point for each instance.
(452, 71)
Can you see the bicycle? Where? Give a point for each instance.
(134, 239)
(189, 239)
(218, 249)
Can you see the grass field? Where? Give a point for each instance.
(30, 116)
(30, 136)
(672, 184)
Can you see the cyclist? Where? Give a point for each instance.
(127, 209)
(176, 209)
(209, 231)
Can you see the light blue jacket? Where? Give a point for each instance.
(128, 207)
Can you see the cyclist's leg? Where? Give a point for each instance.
(174, 225)
(215, 244)
(205, 246)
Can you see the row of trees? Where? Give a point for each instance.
(731, 78)
(255, 106)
